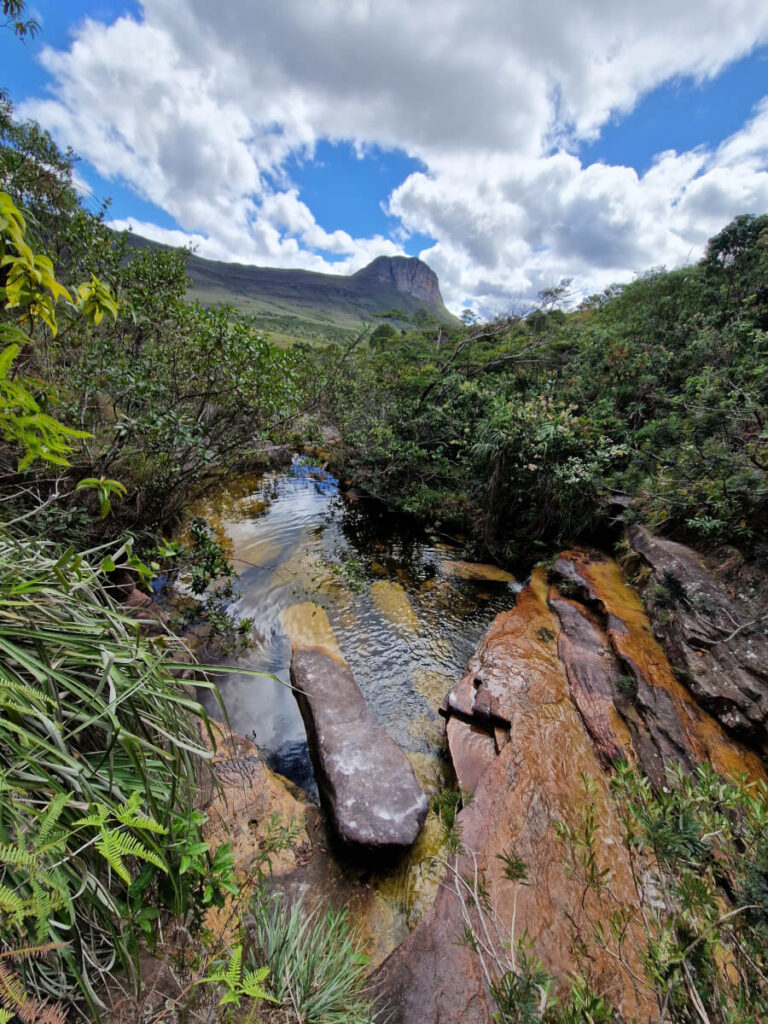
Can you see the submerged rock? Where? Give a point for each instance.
(477, 571)
(390, 600)
(366, 782)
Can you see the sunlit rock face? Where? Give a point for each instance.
(366, 783)
(516, 678)
(563, 686)
(666, 724)
(404, 274)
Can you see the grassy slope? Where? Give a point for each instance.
(299, 304)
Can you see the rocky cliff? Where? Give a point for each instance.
(570, 682)
(403, 274)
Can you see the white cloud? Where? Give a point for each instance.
(198, 107)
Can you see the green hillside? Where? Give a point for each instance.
(306, 306)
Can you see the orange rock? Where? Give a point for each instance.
(535, 782)
(679, 729)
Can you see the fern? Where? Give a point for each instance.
(49, 820)
(253, 984)
(115, 845)
(12, 904)
(232, 977)
(14, 1001)
(16, 856)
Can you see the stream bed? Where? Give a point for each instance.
(406, 608)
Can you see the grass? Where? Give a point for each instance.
(316, 967)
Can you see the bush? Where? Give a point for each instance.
(316, 967)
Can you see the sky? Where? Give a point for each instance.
(506, 143)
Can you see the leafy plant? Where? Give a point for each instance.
(99, 743)
(105, 489)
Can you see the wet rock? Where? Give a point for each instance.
(534, 782)
(515, 661)
(667, 725)
(595, 678)
(366, 783)
(431, 684)
(472, 750)
(390, 600)
(710, 635)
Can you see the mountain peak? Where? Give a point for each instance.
(405, 274)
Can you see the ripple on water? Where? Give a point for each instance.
(404, 621)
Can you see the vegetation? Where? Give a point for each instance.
(523, 430)
(698, 850)
(317, 969)
(119, 400)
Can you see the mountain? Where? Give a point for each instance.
(304, 305)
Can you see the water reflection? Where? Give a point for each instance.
(405, 625)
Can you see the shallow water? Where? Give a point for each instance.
(405, 619)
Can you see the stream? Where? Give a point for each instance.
(407, 610)
(406, 617)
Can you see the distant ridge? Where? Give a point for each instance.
(305, 305)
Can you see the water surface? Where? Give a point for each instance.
(405, 619)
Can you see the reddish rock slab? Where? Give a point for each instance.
(472, 750)
(671, 724)
(595, 678)
(534, 782)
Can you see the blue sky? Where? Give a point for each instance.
(269, 135)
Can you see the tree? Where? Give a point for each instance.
(13, 12)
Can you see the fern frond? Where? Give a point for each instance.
(232, 977)
(50, 818)
(12, 904)
(126, 817)
(96, 818)
(41, 905)
(16, 856)
(12, 994)
(253, 985)
(115, 845)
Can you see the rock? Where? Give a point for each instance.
(534, 782)
(707, 635)
(595, 678)
(517, 658)
(667, 725)
(431, 684)
(242, 811)
(366, 783)
(391, 601)
(472, 751)
(477, 571)
(403, 274)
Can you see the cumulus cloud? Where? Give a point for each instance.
(199, 107)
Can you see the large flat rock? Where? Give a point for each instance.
(519, 797)
(366, 783)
